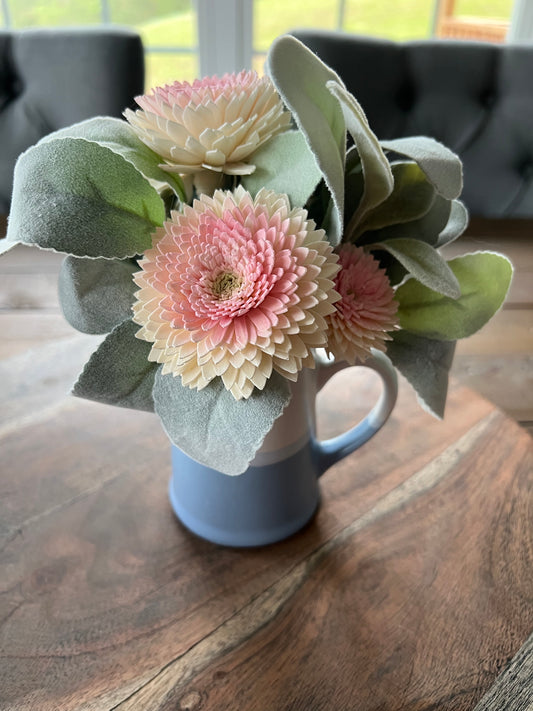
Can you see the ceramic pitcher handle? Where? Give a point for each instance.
(332, 450)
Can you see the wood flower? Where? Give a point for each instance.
(236, 287)
(212, 124)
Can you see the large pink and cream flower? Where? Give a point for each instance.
(212, 124)
(367, 308)
(236, 288)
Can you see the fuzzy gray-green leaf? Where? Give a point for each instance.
(484, 279)
(301, 79)
(425, 264)
(425, 363)
(442, 166)
(81, 198)
(212, 427)
(411, 198)
(378, 178)
(285, 164)
(119, 372)
(96, 294)
(456, 225)
(119, 136)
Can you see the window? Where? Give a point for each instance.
(167, 27)
(393, 19)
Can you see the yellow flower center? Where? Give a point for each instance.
(226, 284)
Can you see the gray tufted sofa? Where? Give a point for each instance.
(51, 78)
(476, 98)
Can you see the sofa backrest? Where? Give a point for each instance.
(51, 78)
(475, 97)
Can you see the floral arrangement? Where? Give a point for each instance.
(226, 230)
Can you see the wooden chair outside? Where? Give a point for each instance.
(463, 27)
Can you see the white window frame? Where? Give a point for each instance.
(521, 27)
(224, 35)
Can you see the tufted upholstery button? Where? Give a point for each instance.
(488, 99)
(15, 88)
(405, 98)
(11, 89)
(526, 169)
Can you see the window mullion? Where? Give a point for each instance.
(224, 35)
(521, 29)
(6, 13)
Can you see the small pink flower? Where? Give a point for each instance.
(367, 308)
(212, 124)
(236, 287)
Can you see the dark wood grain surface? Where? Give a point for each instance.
(411, 589)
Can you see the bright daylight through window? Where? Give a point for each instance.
(170, 29)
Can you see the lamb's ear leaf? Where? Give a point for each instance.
(354, 182)
(410, 199)
(96, 294)
(424, 263)
(78, 197)
(456, 225)
(442, 166)
(377, 174)
(484, 279)
(426, 228)
(119, 136)
(301, 78)
(212, 427)
(119, 372)
(285, 164)
(425, 363)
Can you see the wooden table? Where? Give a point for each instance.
(411, 589)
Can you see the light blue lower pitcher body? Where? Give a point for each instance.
(279, 493)
(264, 505)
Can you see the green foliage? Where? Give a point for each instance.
(484, 8)
(119, 372)
(173, 30)
(81, 198)
(36, 13)
(212, 427)
(377, 176)
(409, 197)
(317, 114)
(457, 222)
(119, 137)
(285, 165)
(484, 279)
(440, 165)
(425, 264)
(425, 363)
(96, 294)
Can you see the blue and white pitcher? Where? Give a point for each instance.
(279, 492)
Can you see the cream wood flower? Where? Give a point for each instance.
(212, 124)
(235, 288)
(367, 308)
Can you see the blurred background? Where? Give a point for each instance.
(170, 29)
